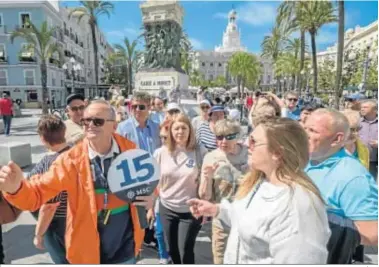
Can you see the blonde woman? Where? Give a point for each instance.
(354, 145)
(180, 165)
(278, 216)
(220, 176)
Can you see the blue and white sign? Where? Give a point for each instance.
(133, 173)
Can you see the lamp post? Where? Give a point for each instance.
(366, 64)
(74, 68)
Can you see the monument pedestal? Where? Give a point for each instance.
(152, 81)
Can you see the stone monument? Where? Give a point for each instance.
(164, 41)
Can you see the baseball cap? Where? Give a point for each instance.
(215, 109)
(205, 102)
(173, 106)
(72, 97)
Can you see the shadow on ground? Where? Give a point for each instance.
(38, 149)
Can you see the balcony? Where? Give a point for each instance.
(3, 29)
(27, 57)
(67, 53)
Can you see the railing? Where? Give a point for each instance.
(27, 59)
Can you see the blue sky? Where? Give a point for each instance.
(205, 21)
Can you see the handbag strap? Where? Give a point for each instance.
(255, 190)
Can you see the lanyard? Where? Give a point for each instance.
(97, 169)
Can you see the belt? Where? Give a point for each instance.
(117, 210)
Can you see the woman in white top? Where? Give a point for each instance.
(180, 165)
(278, 216)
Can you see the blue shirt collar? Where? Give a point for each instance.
(136, 124)
(332, 159)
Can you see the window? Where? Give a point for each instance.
(26, 50)
(1, 20)
(24, 19)
(53, 78)
(211, 64)
(203, 64)
(2, 51)
(29, 77)
(3, 77)
(219, 64)
(32, 95)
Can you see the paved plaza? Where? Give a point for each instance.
(18, 236)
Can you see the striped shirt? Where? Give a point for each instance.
(42, 167)
(205, 136)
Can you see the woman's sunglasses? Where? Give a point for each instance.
(173, 111)
(228, 137)
(98, 122)
(140, 107)
(204, 107)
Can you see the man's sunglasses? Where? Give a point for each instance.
(98, 122)
(204, 107)
(173, 111)
(228, 137)
(140, 107)
(292, 99)
(78, 108)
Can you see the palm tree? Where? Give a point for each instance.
(341, 35)
(272, 46)
(92, 10)
(129, 56)
(287, 19)
(196, 78)
(287, 64)
(312, 16)
(244, 67)
(40, 43)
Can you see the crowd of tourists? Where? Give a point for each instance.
(299, 186)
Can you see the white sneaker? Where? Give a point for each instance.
(164, 261)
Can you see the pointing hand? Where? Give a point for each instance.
(10, 178)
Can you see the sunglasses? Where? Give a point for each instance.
(204, 107)
(98, 122)
(173, 111)
(253, 142)
(292, 99)
(228, 137)
(140, 107)
(78, 108)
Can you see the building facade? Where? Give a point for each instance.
(212, 64)
(358, 38)
(20, 73)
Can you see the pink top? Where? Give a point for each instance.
(179, 178)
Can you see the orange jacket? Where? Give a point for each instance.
(71, 171)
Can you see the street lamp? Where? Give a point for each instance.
(74, 68)
(366, 63)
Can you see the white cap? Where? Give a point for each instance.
(206, 102)
(172, 106)
(234, 114)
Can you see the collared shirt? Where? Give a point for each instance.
(346, 186)
(114, 150)
(157, 116)
(74, 132)
(367, 133)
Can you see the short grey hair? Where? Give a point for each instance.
(373, 102)
(227, 126)
(111, 110)
(291, 93)
(141, 96)
(338, 121)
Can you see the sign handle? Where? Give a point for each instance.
(142, 217)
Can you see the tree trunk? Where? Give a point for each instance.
(293, 82)
(130, 78)
(341, 32)
(314, 62)
(96, 62)
(238, 87)
(45, 92)
(302, 58)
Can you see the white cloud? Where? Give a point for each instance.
(129, 31)
(196, 44)
(254, 13)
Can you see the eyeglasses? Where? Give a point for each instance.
(228, 137)
(253, 143)
(204, 107)
(140, 107)
(292, 99)
(78, 108)
(173, 111)
(98, 122)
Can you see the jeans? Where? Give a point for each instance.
(374, 170)
(180, 230)
(7, 119)
(54, 241)
(162, 250)
(1, 247)
(130, 261)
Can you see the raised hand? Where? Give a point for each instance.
(200, 208)
(10, 178)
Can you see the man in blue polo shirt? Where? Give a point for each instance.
(348, 189)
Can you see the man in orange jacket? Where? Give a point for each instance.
(100, 227)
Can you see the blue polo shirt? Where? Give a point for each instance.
(291, 114)
(346, 186)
